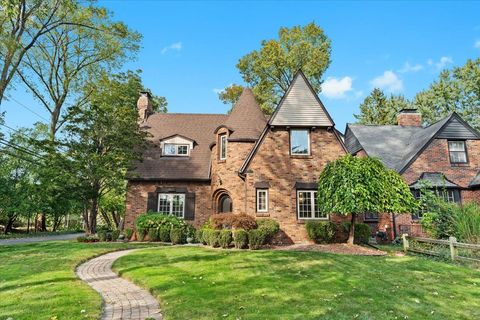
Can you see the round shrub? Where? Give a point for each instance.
(320, 231)
(256, 238)
(177, 235)
(153, 234)
(140, 234)
(156, 220)
(362, 232)
(240, 238)
(225, 238)
(269, 228)
(128, 233)
(232, 221)
(102, 235)
(115, 235)
(212, 237)
(164, 233)
(87, 239)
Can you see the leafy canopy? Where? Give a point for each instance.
(379, 109)
(362, 184)
(270, 70)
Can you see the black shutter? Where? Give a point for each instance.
(189, 206)
(456, 196)
(152, 202)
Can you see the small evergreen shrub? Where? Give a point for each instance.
(115, 235)
(269, 227)
(232, 221)
(153, 234)
(256, 238)
(102, 235)
(320, 231)
(362, 232)
(128, 233)
(87, 239)
(164, 233)
(199, 236)
(240, 238)
(177, 235)
(140, 234)
(212, 237)
(225, 238)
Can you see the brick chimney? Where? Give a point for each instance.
(409, 117)
(144, 105)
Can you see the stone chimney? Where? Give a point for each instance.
(409, 117)
(144, 105)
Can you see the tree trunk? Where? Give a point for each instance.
(92, 223)
(106, 218)
(43, 222)
(351, 233)
(9, 226)
(28, 224)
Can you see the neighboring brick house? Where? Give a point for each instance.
(201, 164)
(446, 155)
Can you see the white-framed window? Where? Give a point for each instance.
(223, 147)
(457, 151)
(172, 203)
(172, 149)
(300, 142)
(307, 207)
(262, 200)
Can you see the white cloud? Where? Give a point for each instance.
(216, 90)
(388, 81)
(442, 63)
(407, 67)
(174, 46)
(334, 88)
(477, 44)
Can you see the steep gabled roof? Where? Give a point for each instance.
(433, 179)
(399, 146)
(300, 106)
(246, 119)
(476, 181)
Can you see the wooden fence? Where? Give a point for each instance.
(451, 243)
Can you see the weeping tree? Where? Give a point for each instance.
(355, 185)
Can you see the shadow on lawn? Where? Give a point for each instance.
(38, 283)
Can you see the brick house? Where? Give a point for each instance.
(444, 156)
(201, 164)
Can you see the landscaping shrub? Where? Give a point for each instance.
(362, 232)
(240, 238)
(212, 237)
(87, 239)
(199, 236)
(225, 238)
(191, 232)
(156, 220)
(164, 233)
(109, 236)
(467, 223)
(232, 221)
(256, 238)
(177, 235)
(269, 227)
(153, 234)
(140, 234)
(128, 233)
(320, 231)
(102, 235)
(115, 235)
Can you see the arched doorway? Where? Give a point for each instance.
(224, 204)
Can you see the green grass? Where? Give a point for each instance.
(17, 235)
(201, 283)
(37, 281)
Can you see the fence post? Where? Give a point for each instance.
(453, 249)
(405, 242)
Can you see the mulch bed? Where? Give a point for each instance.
(338, 248)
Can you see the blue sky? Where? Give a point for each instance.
(190, 49)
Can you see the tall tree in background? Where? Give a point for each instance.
(270, 70)
(22, 24)
(104, 138)
(456, 90)
(63, 60)
(379, 109)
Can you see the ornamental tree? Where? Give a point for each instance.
(355, 185)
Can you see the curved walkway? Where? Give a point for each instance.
(122, 299)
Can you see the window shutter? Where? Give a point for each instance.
(189, 206)
(152, 202)
(456, 196)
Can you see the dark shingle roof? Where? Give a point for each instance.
(197, 127)
(433, 179)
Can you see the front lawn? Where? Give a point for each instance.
(202, 283)
(37, 281)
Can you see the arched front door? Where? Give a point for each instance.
(224, 204)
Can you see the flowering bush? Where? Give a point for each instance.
(156, 220)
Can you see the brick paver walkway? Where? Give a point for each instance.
(123, 299)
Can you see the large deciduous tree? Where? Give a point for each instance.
(380, 109)
(354, 185)
(270, 70)
(456, 90)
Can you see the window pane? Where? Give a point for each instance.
(456, 156)
(223, 147)
(304, 204)
(169, 149)
(318, 214)
(262, 200)
(182, 150)
(164, 203)
(299, 142)
(456, 145)
(178, 203)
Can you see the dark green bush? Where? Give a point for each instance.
(212, 237)
(269, 228)
(177, 235)
(362, 232)
(153, 234)
(199, 236)
(164, 233)
(115, 235)
(109, 236)
(240, 238)
(128, 233)
(191, 232)
(87, 239)
(320, 231)
(102, 235)
(225, 238)
(140, 234)
(256, 238)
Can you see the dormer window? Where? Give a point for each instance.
(299, 142)
(223, 147)
(457, 151)
(171, 149)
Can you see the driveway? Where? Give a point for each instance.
(69, 236)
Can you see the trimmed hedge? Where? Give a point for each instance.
(177, 235)
(128, 233)
(87, 239)
(156, 220)
(256, 238)
(269, 227)
(115, 235)
(362, 232)
(153, 234)
(320, 231)
(164, 233)
(232, 221)
(240, 238)
(225, 238)
(140, 234)
(199, 236)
